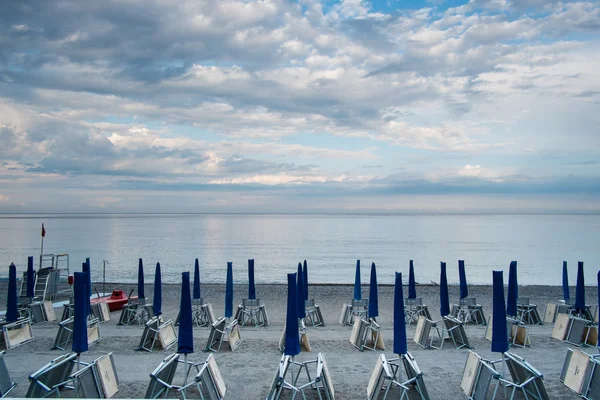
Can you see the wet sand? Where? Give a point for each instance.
(248, 371)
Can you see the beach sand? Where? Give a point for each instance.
(249, 370)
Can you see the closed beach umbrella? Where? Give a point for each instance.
(565, 283)
(251, 287)
(85, 268)
(598, 344)
(12, 313)
(185, 339)
(444, 299)
(196, 280)
(400, 346)
(30, 278)
(412, 285)
(357, 287)
(499, 331)
(80, 313)
(89, 271)
(300, 291)
(580, 289)
(157, 301)
(513, 290)
(141, 294)
(305, 279)
(373, 299)
(462, 276)
(229, 291)
(292, 337)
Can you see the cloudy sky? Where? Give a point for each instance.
(299, 106)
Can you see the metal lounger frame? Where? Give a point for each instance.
(321, 383)
(525, 378)
(161, 379)
(10, 327)
(220, 332)
(6, 383)
(51, 377)
(208, 379)
(313, 313)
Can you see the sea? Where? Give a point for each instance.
(331, 245)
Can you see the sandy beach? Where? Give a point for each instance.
(249, 370)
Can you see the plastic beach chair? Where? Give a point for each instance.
(47, 381)
(222, 332)
(15, 333)
(356, 308)
(208, 381)
(366, 335)
(468, 311)
(386, 379)
(6, 383)
(413, 309)
(581, 373)
(157, 332)
(319, 379)
(252, 311)
(527, 312)
(161, 379)
(313, 313)
(97, 380)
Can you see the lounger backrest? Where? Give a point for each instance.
(483, 380)
(54, 373)
(277, 382)
(163, 373)
(379, 377)
(472, 366)
(520, 371)
(413, 371)
(360, 303)
(323, 375)
(250, 302)
(422, 330)
(592, 389)
(6, 384)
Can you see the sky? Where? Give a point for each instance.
(299, 106)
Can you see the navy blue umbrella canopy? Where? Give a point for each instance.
(357, 287)
(185, 339)
(300, 297)
(444, 299)
(462, 276)
(12, 314)
(412, 285)
(305, 279)
(30, 277)
(80, 312)
(400, 345)
(157, 301)
(251, 286)
(196, 280)
(499, 331)
(373, 299)
(580, 289)
(565, 283)
(513, 290)
(89, 271)
(292, 337)
(140, 288)
(598, 303)
(85, 268)
(229, 291)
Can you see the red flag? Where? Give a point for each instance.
(43, 231)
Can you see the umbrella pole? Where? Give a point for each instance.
(186, 366)
(292, 369)
(503, 372)
(78, 354)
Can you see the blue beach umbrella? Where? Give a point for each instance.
(400, 346)
(85, 268)
(292, 337)
(196, 280)
(580, 289)
(513, 290)
(157, 301)
(229, 291)
(300, 297)
(598, 344)
(462, 276)
(499, 332)
(373, 299)
(141, 294)
(305, 279)
(12, 313)
(444, 299)
(251, 286)
(412, 285)
(30, 278)
(565, 283)
(80, 313)
(89, 271)
(185, 339)
(357, 287)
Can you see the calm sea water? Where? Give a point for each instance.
(330, 244)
